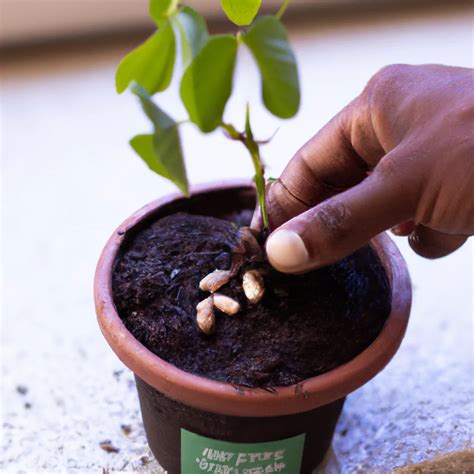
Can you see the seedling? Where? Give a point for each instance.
(206, 86)
(208, 63)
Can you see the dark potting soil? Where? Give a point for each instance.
(304, 326)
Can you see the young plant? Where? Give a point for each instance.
(208, 63)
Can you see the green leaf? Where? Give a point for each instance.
(267, 39)
(151, 64)
(143, 146)
(241, 12)
(162, 150)
(160, 10)
(207, 82)
(192, 30)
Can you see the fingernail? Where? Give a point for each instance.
(287, 251)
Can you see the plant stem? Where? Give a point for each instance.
(232, 132)
(252, 146)
(259, 181)
(282, 9)
(254, 150)
(182, 122)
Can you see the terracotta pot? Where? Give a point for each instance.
(194, 424)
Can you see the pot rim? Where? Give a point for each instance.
(227, 399)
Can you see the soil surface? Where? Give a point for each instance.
(304, 326)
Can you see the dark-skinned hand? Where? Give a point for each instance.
(400, 156)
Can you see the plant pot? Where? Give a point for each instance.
(194, 424)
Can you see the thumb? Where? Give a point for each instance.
(342, 224)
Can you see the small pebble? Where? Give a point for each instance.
(108, 447)
(22, 389)
(117, 374)
(174, 273)
(126, 429)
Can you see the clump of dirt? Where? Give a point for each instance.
(304, 326)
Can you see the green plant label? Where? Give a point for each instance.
(200, 454)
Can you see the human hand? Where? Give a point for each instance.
(400, 156)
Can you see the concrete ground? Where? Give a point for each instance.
(69, 178)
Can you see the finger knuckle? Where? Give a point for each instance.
(390, 73)
(386, 168)
(334, 217)
(382, 81)
(381, 95)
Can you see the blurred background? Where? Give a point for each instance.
(69, 178)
